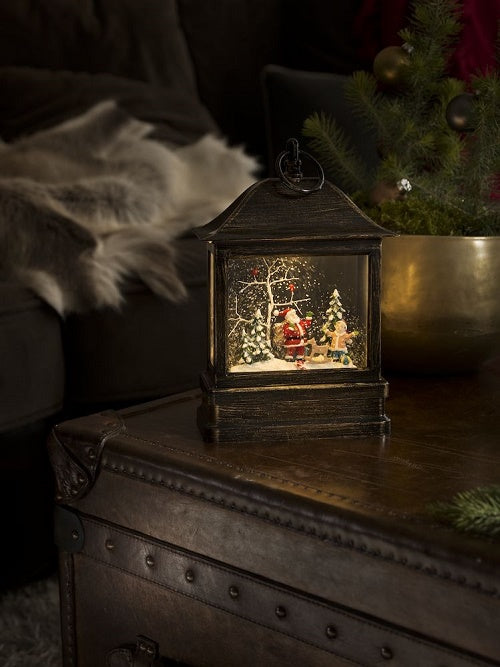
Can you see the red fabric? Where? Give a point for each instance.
(475, 52)
(379, 21)
(377, 25)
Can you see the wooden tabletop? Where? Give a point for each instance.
(445, 439)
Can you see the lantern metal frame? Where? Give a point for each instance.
(269, 220)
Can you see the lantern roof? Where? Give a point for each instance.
(268, 210)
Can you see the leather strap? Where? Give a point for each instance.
(307, 619)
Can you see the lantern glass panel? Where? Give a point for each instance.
(297, 312)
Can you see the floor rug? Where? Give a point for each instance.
(29, 626)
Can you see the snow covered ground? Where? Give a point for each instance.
(282, 365)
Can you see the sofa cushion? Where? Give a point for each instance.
(292, 95)
(60, 57)
(150, 348)
(34, 99)
(229, 46)
(131, 38)
(32, 364)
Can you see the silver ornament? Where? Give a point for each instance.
(403, 185)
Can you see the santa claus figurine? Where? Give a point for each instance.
(294, 331)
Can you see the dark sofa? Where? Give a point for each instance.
(56, 58)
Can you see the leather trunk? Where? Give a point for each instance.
(311, 553)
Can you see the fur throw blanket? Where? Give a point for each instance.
(94, 200)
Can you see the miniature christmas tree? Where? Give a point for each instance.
(439, 143)
(334, 312)
(254, 346)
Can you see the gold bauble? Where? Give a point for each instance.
(389, 65)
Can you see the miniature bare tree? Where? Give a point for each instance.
(268, 284)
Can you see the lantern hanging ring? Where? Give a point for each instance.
(292, 174)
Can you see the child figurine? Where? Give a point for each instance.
(340, 339)
(294, 332)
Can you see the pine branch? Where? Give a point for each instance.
(361, 91)
(448, 89)
(483, 148)
(433, 29)
(391, 168)
(447, 149)
(475, 511)
(332, 147)
(452, 174)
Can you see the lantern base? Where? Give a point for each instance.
(250, 414)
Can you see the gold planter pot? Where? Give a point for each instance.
(440, 303)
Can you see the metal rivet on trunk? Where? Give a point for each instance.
(280, 611)
(386, 652)
(109, 544)
(234, 592)
(150, 561)
(75, 535)
(331, 631)
(189, 576)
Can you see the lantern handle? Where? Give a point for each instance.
(292, 175)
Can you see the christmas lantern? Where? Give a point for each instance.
(294, 314)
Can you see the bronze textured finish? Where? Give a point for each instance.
(269, 211)
(270, 220)
(354, 408)
(296, 551)
(440, 302)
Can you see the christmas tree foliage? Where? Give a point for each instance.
(475, 511)
(254, 346)
(334, 312)
(439, 143)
